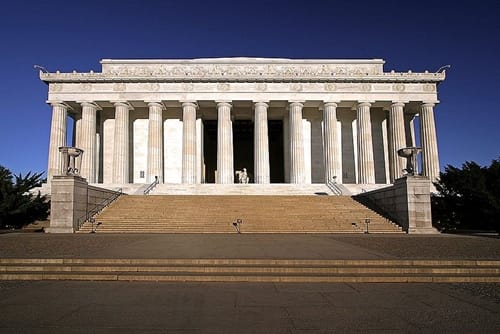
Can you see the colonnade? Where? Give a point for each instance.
(86, 140)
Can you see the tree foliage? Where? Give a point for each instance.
(18, 207)
(468, 197)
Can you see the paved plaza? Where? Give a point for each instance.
(151, 307)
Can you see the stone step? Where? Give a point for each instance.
(251, 270)
(217, 213)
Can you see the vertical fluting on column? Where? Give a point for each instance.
(333, 163)
(88, 141)
(57, 139)
(189, 142)
(366, 168)
(297, 165)
(155, 142)
(224, 144)
(397, 140)
(121, 144)
(430, 158)
(261, 144)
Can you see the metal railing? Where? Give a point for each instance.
(152, 185)
(89, 214)
(334, 187)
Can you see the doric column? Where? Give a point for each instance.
(189, 142)
(261, 144)
(396, 140)
(333, 163)
(121, 143)
(366, 168)
(57, 139)
(155, 142)
(224, 143)
(430, 158)
(297, 165)
(88, 141)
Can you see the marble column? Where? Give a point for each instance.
(155, 142)
(397, 140)
(261, 144)
(88, 140)
(430, 158)
(225, 164)
(297, 164)
(189, 142)
(57, 139)
(121, 144)
(366, 167)
(331, 140)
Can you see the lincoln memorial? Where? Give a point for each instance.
(195, 121)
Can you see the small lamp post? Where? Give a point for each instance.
(367, 222)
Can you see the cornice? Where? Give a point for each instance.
(246, 70)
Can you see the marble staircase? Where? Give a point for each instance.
(259, 214)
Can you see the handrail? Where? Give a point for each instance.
(152, 185)
(89, 214)
(334, 187)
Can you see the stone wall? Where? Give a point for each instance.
(407, 202)
(71, 199)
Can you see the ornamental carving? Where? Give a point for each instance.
(261, 87)
(119, 87)
(429, 88)
(187, 87)
(331, 87)
(366, 87)
(55, 87)
(398, 87)
(296, 87)
(85, 87)
(224, 87)
(237, 71)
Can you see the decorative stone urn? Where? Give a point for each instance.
(72, 160)
(410, 153)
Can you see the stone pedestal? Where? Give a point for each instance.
(417, 202)
(408, 202)
(68, 203)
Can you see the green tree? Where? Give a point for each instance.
(468, 197)
(18, 207)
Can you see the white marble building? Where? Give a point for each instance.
(196, 121)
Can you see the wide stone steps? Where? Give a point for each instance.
(217, 214)
(251, 270)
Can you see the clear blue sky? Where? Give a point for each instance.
(416, 35)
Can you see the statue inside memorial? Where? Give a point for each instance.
(410, 153)
(242, 176)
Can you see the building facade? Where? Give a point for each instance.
(285, 121)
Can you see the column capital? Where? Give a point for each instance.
(261, 104)
(296, 104)
(156, 104)
(364, 104)
(90, 104)
(189, 103)
(122, 104)
(224, 104)
(428, 104)
(398, 104)
(59, 104)
(330, 104)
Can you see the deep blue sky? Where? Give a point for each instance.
(416, 35)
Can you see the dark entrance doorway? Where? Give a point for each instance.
(243, 149)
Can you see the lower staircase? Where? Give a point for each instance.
(257, 214)
(252, 270)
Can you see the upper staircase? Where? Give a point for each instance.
(258, 214)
